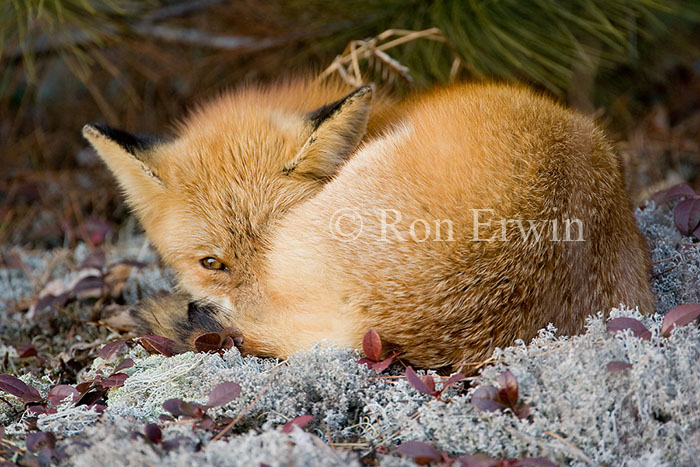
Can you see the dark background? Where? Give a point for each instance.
(634, 65)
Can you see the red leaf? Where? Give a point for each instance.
(178, 407)
(523, 411)
(637, 327)
(206, 424)
(110, 349)
(680, 316)
(153, 433)
(27, 351)
(416, 381)
(383, 365)
(509, 388)
(231, 334)
(174, 406)
(82, 388)
(17, 387)
(126, 363)
(421, 453)
(486, 398)
(686, 215)
(228, 343)
(614, 366)
(158, 345)
(60, 393)
(534, 462)
(479, 460)
(301, 422)
(372, 345)
(114, 380)
(456, 378)
(430, 383)
(209, 342)
(40, 440)
(91, 398)
(682, 190)
(224, 393)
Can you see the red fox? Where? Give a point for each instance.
(452, 222)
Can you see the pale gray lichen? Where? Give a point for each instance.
(69, 420)
(648, 411)
(581, 413)
(271, 447)
(325, 382)
(675, 258)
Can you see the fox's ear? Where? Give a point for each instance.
(126, 155)
(335, 132)
(129, 159)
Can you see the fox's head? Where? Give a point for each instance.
(208, 197)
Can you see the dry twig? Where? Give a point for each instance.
(347, 65)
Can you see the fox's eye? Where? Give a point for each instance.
(212, 264)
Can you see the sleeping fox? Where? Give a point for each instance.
(452, 222)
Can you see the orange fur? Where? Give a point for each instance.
(255, 181)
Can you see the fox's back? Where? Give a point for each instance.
(403, 237)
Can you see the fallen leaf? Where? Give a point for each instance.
(372, 345)
(126, 363)
(27, 351)
(300, 421)
(421, 453)
(153, 433)
(686, 215)
(486, 398)
(509, 388)
(158, 345)
(60, 393)
(110, 349)
(418, 383)
(615, 366)
(637, 327)
(682, 190)
(19, 388)
(209, 342)
(680, 316)
(114, 380)
(223, 393)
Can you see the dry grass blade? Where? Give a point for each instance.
(572, 448)
(347, 65)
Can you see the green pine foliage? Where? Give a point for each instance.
(68, 27)
(543, 42)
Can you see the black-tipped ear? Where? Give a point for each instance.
(134, 145)
(132, 160)
(321, 114)
(335, 131)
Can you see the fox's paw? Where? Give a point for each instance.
(181, 320)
